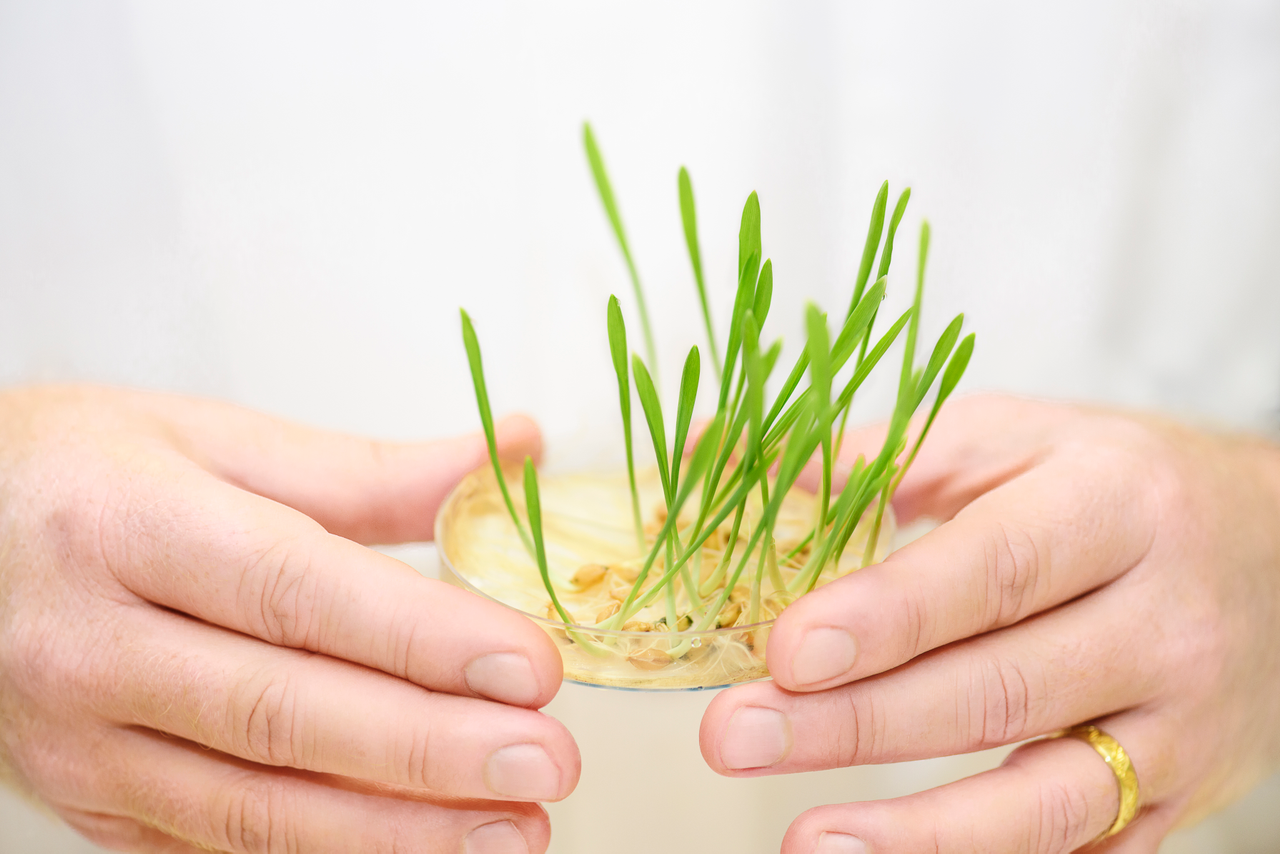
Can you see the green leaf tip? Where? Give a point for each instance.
(689, 218)
(764, 292)
(618, 354)
(534, 504)
(749, 232)
(875, 231)
(886, 255)
(605, 189)
(653, 417)
(476, 364)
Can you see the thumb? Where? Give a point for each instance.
(363, 489)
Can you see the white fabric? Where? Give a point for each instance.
(284, 204)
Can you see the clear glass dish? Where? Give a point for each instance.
(589, 535)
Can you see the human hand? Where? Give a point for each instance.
(193, 657)
(1094, 566)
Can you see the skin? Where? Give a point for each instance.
(1091, 566)
(197, 654)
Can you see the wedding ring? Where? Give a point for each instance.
(1118, 761)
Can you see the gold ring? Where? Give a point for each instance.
(1118, 761)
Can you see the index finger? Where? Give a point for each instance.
(1068, 525)
(244, 562)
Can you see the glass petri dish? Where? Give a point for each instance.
(593, 557)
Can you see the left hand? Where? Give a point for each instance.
(1093, 567)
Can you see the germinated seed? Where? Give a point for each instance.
(649, 659)
(588, 574)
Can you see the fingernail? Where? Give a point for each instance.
(755, 738)
(823, 654)
(501, 837)
(840, 843)
(522, 771)
(503, 676)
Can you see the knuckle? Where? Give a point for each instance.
(915, 620)
(403, 643)
(258, 819)
(1001, 700)
(279, 595)
(848, 746)
(43, 661)
(418, 759)
(270, 723)
(1062, 816)
(27, 657)
(859, 737)
(1015, 568)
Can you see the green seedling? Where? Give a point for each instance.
(742, 470)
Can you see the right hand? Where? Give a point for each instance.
(194, 656)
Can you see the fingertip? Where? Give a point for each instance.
(544, 657)
(529, 677)
(550, 669)
(572, 773)
(536, 829)
(534, 825)
(857, 626)
(812, 646)
(481, 648)
(825, 830)
(715, 721)
(709, 730)
(518, 437)
(526, 828)
(505, 677)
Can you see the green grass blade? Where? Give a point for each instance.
(886, 254)
(703, 453)
(856, 331)
(749, 255)
(618, 353)
(742, 302)
(857, 324)
(869, 363)
(819, 348)
(941, 350)
(875, 230)
(749, 233)
(684, 412)
(802, 441)
(913, 330)
(653, 416)
(534, 503)
(688, 215)
(605, 189)
(764, 293)
(706, 449)
(955, 370)
(788, 388)
(854, 328)
(754, 401)
(886, 258)
(819, 363)
(472, 345)
(950, 378)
